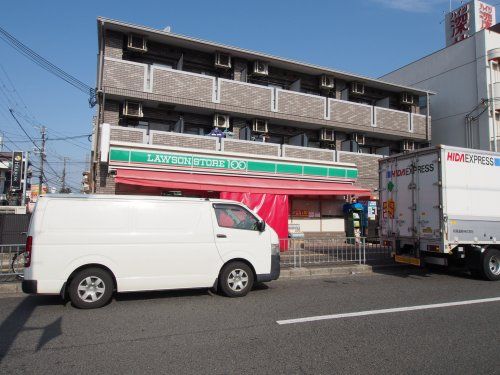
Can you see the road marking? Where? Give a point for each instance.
(386, 311)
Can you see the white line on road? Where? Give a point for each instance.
(386, 311)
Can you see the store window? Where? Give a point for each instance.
(235, 217)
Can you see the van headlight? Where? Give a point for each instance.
(275, 248)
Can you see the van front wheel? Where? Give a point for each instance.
(91, 288)
(236, 279)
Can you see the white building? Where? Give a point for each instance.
(462, 111)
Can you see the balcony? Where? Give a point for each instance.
(143, 82)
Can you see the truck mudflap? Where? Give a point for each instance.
(405, 259)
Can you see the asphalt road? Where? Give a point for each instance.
(196, 332)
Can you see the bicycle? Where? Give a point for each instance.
(17, 264)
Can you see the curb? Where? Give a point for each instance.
(11, 287)
(301, 273)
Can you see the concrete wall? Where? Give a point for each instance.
(459, 74)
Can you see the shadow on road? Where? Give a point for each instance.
(424, 272)
(15, 323)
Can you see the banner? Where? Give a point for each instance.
(16, 175)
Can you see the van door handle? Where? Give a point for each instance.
(221, 236)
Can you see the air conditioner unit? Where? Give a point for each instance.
(222, 60)
(137, 43)
(261, 68)
(221, 121)
(357, 88)
(407, 98)
(259, 126)
(407, 145)
(327, 135)
(327, 82)
(358, 138)
(132, 109)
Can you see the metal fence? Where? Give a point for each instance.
(11, 260)
(303, 252)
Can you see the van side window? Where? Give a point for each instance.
(236, 217)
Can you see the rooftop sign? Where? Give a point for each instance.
(467, 20)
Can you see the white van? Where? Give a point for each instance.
(88, 246)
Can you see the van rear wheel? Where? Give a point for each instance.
(236, 279)
(91, 288)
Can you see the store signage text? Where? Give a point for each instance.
(17, 170)
(462, 157)
(189, 161)
(426, 168)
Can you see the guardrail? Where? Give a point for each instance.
(304, 252)
(11, 260)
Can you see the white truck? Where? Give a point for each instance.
(441, 205)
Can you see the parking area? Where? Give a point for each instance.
(196, 331)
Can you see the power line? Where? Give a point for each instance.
(22, 128)
(47, 65)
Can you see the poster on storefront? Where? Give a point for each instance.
(16, 175)
(372, 210)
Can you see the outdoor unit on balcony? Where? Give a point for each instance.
(327, 135)
(222, 60)
(327, 82)
(137, 43)
(358, 138)
(407, 98)
(357, 88)
(132, 109)
(221, 121)
(260, 68)
(259, 126)
(407, 145)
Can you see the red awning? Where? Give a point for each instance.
(236, 184)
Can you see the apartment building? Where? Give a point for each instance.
(182, 116)
(466, 76)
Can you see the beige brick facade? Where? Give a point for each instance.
(124, 134)
(296, 104)
(188, 86)
(308, 153)
(123, 75)
(111, 112)
(113, 45)
(253, 148)
(348, 113)
(245, 96)
(104, 183)
(392, 120)
(419, 124)
(184, 141)
(367, 168)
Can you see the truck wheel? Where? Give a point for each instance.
(491, 264)
(236, 279)
(91, 288)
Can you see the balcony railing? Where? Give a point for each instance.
(198, 90)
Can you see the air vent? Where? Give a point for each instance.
(407, 145)
(222, 60)
(407, 98)
(137, 43)
(357, 88)
(221, 121)
(259, 126)
(358, 138)
(132, 109)
(261, 68)
(327, 135)
(327, 82)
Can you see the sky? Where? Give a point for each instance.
(368, 37)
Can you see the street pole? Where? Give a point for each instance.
(42, 157)
(63, 183)
(26, 160)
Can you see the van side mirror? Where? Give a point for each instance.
(261, 226)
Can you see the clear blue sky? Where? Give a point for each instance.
(369, 37)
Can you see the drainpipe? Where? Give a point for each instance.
(493, 55)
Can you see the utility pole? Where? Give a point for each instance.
(42, 157)
(26, 161)
(1, 142)
(63, 182)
